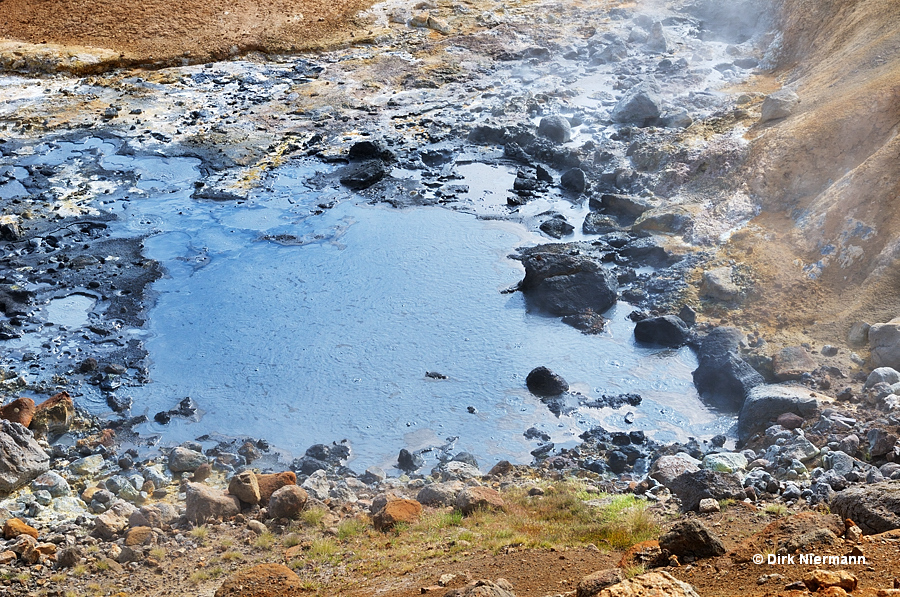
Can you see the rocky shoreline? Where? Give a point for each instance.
(643, 160)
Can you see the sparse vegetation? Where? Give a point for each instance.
(351, 527)
(265, 541)
(313, 516)
(199, 533)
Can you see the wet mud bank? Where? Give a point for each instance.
(603, 142)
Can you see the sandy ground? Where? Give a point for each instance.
(164, 30)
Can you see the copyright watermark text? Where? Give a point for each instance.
(772, 559)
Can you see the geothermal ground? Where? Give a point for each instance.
(254, 250)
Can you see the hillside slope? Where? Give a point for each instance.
(825, 246)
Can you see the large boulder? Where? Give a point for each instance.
(245, 487)
(556, 128)
(640, 106)
(668, 330)
(592, 584)
(874, 508)
(363, 175)
(288, 502)
(884, 342)
(780, 104)
(667, 468)
(440, 494)
(185, 460)
(691, 487)
(764, 403)
(563, 284)
(544, 382)
(54, 415)
(21, 458)
(203, 503)
(791, 362)
(20, 410)
(270, 483)
(397, 511)
(691, 538)
(651, 584)
(262, 580)
(722, 376)
(479, 498)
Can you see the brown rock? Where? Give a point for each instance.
(822, 579)
(245, 487)
(479, 498)
(294, 552)
(501, 468)
(592, 584)
(20, 410)
(656, 584)
(88, 494)
(287, 502)
(54, 415)
(269, 484)
(7, 557)
(791, 363)
(139, 536)
(204, 503)
(264, 580)
(395, 512)
(202, 473)
(789, 421)
(14, 527)
(832, 592)
(68, 557)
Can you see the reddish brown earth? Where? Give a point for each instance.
(167, 31)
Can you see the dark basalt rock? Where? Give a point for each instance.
(563, 284)
(722, 376)
(668, 330)
(544, 382)
(363, 175)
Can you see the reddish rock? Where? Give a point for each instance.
(20, 410)
(54, 415)
(14, 527)
(264, 580)
(269, 484)
(395, 512)
(479, 498)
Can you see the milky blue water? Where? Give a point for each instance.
(302, 327)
